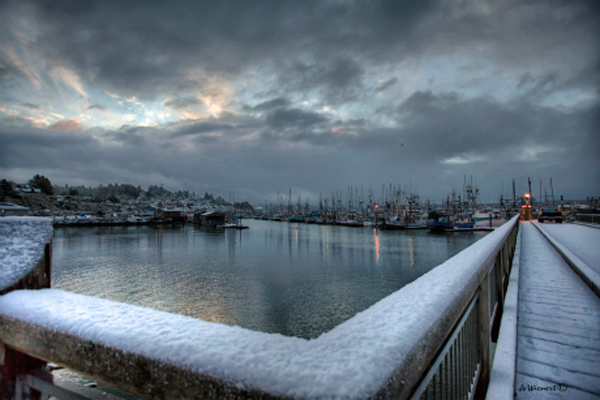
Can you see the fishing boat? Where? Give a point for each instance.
(464, 221)
(354, 223)
(439, 221)
(392, 224)
(408, 219)
(488, 218)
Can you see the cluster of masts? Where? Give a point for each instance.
(353, 209)
(397, 208)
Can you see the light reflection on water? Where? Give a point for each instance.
(294, 279)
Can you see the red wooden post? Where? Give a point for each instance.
(15, 364)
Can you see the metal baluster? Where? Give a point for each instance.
(473, 350)
(458, 357)
(443, 379)
(465, 359)
(430, 392)
(452, 367)
(457, 363)
(461, 364)
(449, 380)
(450, 373)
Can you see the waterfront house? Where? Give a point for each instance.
(211, 219)
(10, 210)
(176, 215)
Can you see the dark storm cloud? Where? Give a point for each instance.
(125, 155)
(444, 126)
(148, 48)
(97, 107)
(445, 131)
(366, 61)
(268, 105)
(31, 105)
(539, 85)
(339, 80)
(142, 48)
(201, 128)
(147, 156)
(387, 84)
(25, 147)
(491, 138)
(293, 118)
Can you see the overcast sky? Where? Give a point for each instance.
(259, 97)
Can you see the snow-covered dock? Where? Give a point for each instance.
(442, 319)
(548, 346)
(555, 345)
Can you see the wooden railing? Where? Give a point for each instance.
(461, 370)
(15, 364)
(447, 354)
(588, 217)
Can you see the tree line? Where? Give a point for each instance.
(40, 182)
(114, 193)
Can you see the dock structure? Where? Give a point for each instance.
(549, 345)
(514, 315)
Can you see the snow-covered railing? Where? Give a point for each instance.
(412, 343)
(25, 263)
(588, 217)
(461, 369)
(25, 253)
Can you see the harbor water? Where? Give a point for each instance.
(294, 279)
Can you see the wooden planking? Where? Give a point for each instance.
(558, 325)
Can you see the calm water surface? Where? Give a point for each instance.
(294, 279)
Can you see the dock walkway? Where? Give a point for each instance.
(558, 329)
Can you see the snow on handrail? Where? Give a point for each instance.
(369, 355)
(585, 272)
(22, 244)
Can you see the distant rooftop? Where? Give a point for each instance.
(12, 207)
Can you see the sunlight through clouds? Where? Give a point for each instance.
(63, 75)
(261, 95)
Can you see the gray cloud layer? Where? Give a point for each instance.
(322, 97)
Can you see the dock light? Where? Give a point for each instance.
(526, 209)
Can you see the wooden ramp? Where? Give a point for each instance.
(558, 330)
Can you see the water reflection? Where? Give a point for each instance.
(376, 245)
(411, 251)
(294, 279)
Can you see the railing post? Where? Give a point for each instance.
(498, 290)
(15, 365)
(484, 335)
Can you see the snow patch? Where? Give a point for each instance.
(579, 240)
(502, 376)
(22, 242)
